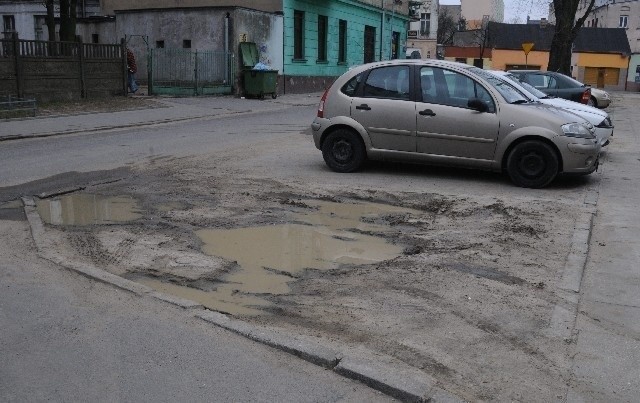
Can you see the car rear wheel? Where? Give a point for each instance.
(592, 102)
(532, 164)
(343, 151)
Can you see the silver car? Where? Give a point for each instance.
(447, 113)
(600, 119)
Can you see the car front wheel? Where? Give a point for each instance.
(343, 151)
(532, 164)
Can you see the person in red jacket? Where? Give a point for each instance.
(131, 71)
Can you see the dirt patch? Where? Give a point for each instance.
(468, 301)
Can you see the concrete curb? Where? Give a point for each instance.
(118, 127)
(380, 372)
(565, 313)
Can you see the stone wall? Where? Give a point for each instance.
(54, 71)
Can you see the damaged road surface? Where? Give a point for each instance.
(454, 273)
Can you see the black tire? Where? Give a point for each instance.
(532, 164)
(343, 151)
(274, 95)
(593, 102)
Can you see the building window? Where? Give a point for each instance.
(159, 44)
(369, 44)
(623, 21)
(425, 24)
(298, 35)
(323, 23)
(9, 22)
(186, 43)
(342, 41)
(95, 38)
(39, 23)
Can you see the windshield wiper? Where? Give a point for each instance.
(520, 101)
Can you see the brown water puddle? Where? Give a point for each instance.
(269, 257)
(88, 209)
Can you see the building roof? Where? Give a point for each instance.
(596, 40)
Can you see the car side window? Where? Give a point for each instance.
(537, 80)
(446, 87)
(388, 82)
(553, 83)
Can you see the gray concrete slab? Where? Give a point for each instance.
(607, 350)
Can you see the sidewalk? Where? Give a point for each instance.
(172, 110)
(607, 353)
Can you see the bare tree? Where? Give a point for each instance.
(68, 17)
(50, 19)
(447, 27)
(566, 31)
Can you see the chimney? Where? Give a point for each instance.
(543, 22)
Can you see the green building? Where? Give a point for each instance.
(324, 39)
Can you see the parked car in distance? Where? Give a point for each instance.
(556, 84)
(600, 119)
(446, 113)
(599, 98)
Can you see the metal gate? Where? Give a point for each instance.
(187, 72)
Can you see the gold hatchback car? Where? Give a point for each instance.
(446, 113)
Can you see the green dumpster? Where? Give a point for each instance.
(256, 83)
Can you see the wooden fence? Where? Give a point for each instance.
(52, 71)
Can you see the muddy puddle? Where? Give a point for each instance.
(269, 257)
(88, 209)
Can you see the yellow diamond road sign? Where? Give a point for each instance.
(527, 46)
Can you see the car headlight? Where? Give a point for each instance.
(577, 130)
(605, 124)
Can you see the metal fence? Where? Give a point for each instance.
(16, 107)
(187, 72)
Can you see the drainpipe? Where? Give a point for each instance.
(382, 29)
(226, 47)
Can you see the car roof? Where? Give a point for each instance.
(429, 62)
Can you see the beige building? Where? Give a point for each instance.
(423, 32)
(476, 11)
(619, 14)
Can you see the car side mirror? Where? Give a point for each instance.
(478, 105)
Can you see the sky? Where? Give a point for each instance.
(518, 9)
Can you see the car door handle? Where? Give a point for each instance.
(363, 107)
(427, 112)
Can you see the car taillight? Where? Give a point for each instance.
(321, 106)
(586, 95)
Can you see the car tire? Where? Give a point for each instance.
(343, 151)
(532, 164)
(592, 102)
